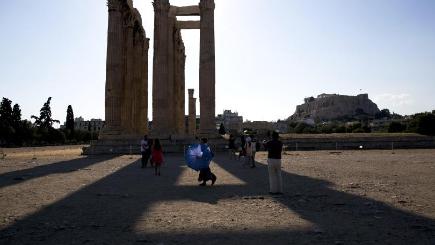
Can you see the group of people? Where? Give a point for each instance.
(152, 151)
(247, 150)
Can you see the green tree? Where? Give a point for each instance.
(222, 130)
(69, 123)
(396, 127)
(44, 121)
(6, 129)
(384, 113)
(426, 124)
(16, 116)
(6, 111)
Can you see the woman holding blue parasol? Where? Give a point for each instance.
(198, 158)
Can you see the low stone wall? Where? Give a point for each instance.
(126, 146)
(356, 142)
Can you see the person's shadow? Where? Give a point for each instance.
(107, 211)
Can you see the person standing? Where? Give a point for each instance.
(205, 174)
(242, 152)
(254, 151)
(145, 149)
(274, 149)
(232, 146)
(157, 156)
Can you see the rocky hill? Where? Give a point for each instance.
(333, 106)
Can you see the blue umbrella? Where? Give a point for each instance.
(198, 156)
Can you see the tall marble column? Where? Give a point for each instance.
(179, 85)
(128, 88)
(160, 69)
(207, 69)
(192, 114)
(114, 66)
(143, 117)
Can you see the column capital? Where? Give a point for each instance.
(161, 5)
(206, 5)
(114, 5)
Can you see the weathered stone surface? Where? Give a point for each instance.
(333, 106)
(126, 72)
(207, 77)
(192, 114)
(188, 24)
(188, 11)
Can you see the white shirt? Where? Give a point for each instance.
(144, 145)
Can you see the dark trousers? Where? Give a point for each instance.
(145, 157)
(205, 175)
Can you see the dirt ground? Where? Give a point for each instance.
(55, 196)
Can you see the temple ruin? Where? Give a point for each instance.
(126, 104)
(169, 67)
(126, 101)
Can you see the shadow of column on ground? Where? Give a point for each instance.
(106, 212)
(19, 176)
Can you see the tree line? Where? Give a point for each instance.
(14, 131)
(421, 123)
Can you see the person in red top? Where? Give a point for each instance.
(157, 156)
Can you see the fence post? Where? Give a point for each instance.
(336, 146)
(296, 146)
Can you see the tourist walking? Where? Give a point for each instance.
(232, 146)
(145, 148)
(248, 151)
(242, 152)
(254, 151)
(274, 150)
(205, 174)
(157, 156)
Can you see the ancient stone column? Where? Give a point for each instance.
(179, 85)
(207, 69)
(192, 114)
(160, 69)
(128, 86)
(114, 66)
(137, 90)
(143, 117)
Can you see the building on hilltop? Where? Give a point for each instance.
(231, 120)
(328, 107)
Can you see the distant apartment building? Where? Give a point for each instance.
(231, 120)
(94, 125)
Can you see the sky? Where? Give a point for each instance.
(270, 54)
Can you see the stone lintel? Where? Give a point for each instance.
(189, 24)
(188, 11)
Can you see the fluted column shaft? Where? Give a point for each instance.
(160, 69)
(114, 66)
(207, 69)
(192, 114)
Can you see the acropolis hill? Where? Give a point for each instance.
(334, 106)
